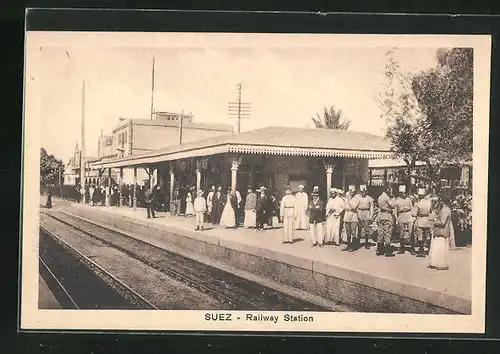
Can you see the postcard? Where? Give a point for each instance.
(255, 182)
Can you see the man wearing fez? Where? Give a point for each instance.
(404, 220)
(364, 205)
(287, 214)
(350, 218)
(301, 200)
(316, 211)
(421, 211)
(250, 220)
(385, 223)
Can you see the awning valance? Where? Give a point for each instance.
(153, 158)
(313, 152)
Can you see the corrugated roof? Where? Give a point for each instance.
(283, 137)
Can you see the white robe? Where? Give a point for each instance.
(189, 204)
(302, 221)
(335, 206)
(228, 218)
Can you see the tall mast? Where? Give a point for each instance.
(82, 148)
(152, 88)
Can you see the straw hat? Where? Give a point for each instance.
(362, 188)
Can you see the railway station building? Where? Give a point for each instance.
(273, 156)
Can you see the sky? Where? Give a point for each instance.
(286, 82)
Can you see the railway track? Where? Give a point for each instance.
(77, 282)
(227, 290)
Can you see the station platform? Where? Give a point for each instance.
(359, 279)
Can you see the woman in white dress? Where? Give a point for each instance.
(189, 203)
(228, 217)
(438, 254)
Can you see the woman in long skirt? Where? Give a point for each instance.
(189, 203)
(228, 217)
(438, 254)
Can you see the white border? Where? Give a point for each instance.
(33, 318)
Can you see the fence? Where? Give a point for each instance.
(65, 191)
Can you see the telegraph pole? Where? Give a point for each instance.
(82, 149)
(152, 88)
(238, 109)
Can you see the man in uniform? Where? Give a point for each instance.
(316, 210)
(350, 218)
(287, 213)
(302, 201)
(404, 220)
(365, 214)
(385, 223)
(422, 211)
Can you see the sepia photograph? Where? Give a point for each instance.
(255, 182)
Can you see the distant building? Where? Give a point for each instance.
(132, 136)
(72, 170)
(105, 146)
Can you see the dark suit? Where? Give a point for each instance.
(316, 211)
(263, 209)
(233, 200)
(149, 197)
(218, 201)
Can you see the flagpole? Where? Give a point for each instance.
(152, 88)
(82, 149)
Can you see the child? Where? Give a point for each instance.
(200, 207)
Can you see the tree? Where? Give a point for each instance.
(429, 114)
(49, 168)
(401, 112)
(332, 119)
(445, 96)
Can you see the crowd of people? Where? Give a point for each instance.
(422, 222)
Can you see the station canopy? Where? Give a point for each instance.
(270, 141)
